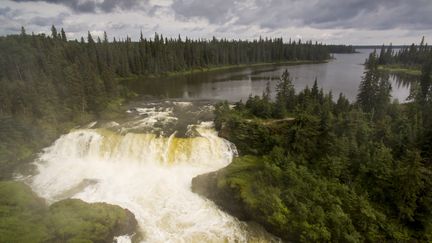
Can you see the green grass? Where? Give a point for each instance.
(398, 69)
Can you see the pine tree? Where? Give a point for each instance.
(426, 82)
(314, 90)
(23, 32)
(342, 104)
(105, 37)
(54, 33)
(383, 96)
(63, 35)
(90, 38)
(285, 95)
(369, 85)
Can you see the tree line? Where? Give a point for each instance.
(317, 169)
(47, 81)
(409, 56)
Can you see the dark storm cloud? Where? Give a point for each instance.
(275, 14)
(90, 6)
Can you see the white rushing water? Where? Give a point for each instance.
(149, 175)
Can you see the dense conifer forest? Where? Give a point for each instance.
(317, 168)
(49, 83)
(281, 121)
(312, 167)
(413, 55)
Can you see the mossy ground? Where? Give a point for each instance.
(26, 218)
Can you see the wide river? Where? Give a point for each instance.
(146, 160)
(340, 75)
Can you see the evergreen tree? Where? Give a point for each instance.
(63, 35)
(54, 33)
(367, 95)
(105, 38)
(426, 82)
(342, 105)
(23, 32)
(90, 38)
(285, 95)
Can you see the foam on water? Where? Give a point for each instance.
(148, 174)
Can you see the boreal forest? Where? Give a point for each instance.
(310, 165)
(314, 167)
(49, 83)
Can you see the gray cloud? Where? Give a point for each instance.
(216, 11)
(47, 21)
(331, 21)
(4, 11)
(91, 6)
(274, 14)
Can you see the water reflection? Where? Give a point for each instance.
(343, 74)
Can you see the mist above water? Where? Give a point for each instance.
(144, 166)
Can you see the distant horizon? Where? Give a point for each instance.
(173, 37)
(356, 22)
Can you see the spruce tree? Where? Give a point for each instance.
(285, 95)
(90, 38)
(63, 35)
(54, 33)
(23, 32)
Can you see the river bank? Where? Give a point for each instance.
(222, 68)
(399, 69)
(315, 178)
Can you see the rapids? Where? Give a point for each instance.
(136, 166)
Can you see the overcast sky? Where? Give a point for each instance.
(329, 21)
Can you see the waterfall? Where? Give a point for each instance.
(150, 175)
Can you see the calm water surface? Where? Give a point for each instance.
(343, 74)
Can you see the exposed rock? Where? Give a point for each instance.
(207, 185)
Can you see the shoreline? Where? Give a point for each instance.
(221, 68)
(399, 69)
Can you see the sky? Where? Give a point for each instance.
(357, 22)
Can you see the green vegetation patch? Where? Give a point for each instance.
(338, 171)
(299, 206)
(415, 71)
(22, 214)
(26, 218)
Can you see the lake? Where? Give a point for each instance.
(342, 74)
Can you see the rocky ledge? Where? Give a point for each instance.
(207, 185)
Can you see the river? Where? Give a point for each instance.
(340, 75)
(145, 162)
